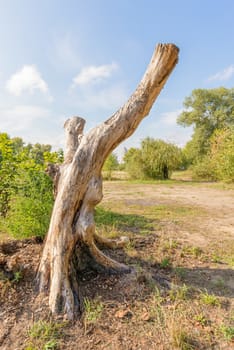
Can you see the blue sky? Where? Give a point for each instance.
(64, 58)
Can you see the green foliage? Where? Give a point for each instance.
(179, 293)
(112, 219)
(211, 150)
(204, 170)
(155, 160)
(207, 111)
(17, 276)
(228, 332)
(93, 310)
(110, 164)
(26, 197)
(165, 263)
(209, 299)
(222, 154)
(133, 163)
(219, 163)
(8, 173)
(44, 335)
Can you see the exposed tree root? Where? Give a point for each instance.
(111, 243)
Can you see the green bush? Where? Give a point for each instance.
(222, 154)
(155, 159)
(204, 170)
(31, 208)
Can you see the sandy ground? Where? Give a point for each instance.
(130, 318)
(218, 205)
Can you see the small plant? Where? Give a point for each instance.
(228, 332)
(180, 293)
(180, 272)
(209, 299)
(17, 277)
(230, 261)
(2, 276)
(170, 244)
(44, 335)
(216, 259)
(200, 318)
(219, 283)
(93, 310)
(157, 298)
(165, 263)
(194, 251)
(181, 339)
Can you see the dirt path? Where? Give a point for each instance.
(217, 206)
(180, 294)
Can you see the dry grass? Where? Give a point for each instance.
(181, 294)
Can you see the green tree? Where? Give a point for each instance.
(155, 159)
(37, 152)
(26, 191)
(8, 173)
(207, 111)
(110, 165)
(222, 154)
(133, 163)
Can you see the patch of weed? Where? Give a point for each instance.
(180, 272)
(17, 277)
(219, 283)
(179, 293)
(193, 251)
(228, 332)
(44, 335)
(181, 339)
(165, 263)
(201, 319)
(119, 221)
(93, 310)
(209, 299)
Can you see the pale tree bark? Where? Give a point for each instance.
(71, 242)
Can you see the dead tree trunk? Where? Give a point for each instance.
(71, 239)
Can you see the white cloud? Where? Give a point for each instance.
(169, 118)
(226, 74)
(21, 117)
(27, 79)
(92, 74)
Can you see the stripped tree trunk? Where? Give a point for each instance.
(71, 240)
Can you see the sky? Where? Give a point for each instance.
(85, 58)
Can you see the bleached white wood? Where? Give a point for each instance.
(79, 188)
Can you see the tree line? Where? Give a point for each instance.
(210, 152)
(26, 191)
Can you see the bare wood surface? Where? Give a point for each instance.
(79, 188)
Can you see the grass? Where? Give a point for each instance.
(209, 299)
(121, 222)
(44, 335)
(92, 310)
(181, 314)
(182, 339)
(165, 263)
(180, 272)
(201, 319)
(180, 293)
(228, 332)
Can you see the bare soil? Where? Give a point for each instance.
(181, 251)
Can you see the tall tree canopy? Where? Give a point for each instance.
(207, 111)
